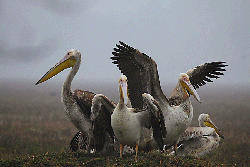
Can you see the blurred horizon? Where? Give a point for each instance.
(53, 87)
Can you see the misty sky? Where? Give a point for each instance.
(178, 35)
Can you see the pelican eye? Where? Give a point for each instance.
(185, 78)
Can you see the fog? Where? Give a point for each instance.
(178, 35)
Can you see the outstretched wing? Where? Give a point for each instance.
(203, 73)
(141, 71)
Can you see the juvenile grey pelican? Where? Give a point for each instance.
(78, 104)
(143, 77)
(200, 141)
(127, 122)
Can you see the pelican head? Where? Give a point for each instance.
(123, 88)
(187, 86)
(68, 61)
(205, 121)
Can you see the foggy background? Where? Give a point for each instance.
(178, 35)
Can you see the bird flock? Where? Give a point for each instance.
(144, 118)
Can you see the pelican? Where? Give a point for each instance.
(143, 77)
(127, 122)
(78, 103)
(200, 141)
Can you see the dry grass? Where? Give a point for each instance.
(33, 122)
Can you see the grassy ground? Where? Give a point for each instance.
(82, 159)
(35, 130)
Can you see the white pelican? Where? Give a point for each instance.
(199, 141)
(127, 122)
(143, 77)
(77, 104)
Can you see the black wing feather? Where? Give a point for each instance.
(201, 74)
(103, 123)
(138, 69)
(74, 143)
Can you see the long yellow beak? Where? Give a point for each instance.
(187, 84)
(65, 63)
(211, 125)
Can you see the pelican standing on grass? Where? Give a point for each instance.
(77, 104)
(200, 141)
(127, 122)
(143, 77)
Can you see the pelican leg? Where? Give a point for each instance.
(175, 148)
(121, 149)
(136, 151)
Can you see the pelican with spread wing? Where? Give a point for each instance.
(78, 104)
(128, 122)
(199, 141)
(143, 77)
